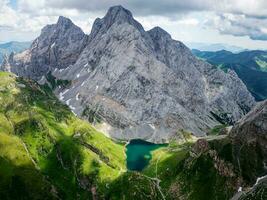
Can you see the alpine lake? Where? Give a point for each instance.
(138, 153)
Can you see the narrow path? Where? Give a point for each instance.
(28, 153)
(156, 181)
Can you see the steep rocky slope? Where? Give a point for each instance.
(58, 46)
(138, 84)
(249, 138)
(250, 66)
(250, 141)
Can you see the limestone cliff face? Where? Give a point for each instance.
(253, 126)
(142, 84)
(58, 46)
(5, 66)
(249, 137)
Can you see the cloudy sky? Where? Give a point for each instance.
(239, 22)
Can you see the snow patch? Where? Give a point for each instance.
(74, 113)
(42, 79)
(83, 83)
(77, 96)
(259, 179)
(68, 102)
(61, 94)
(72, 107)
(53, 45)
(152, 126)
(78, 75)
(85, 65)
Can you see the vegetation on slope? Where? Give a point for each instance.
(45, 149)
(182, 171)
(48, 153)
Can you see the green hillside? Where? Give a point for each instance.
(45, 151)
(48, 153)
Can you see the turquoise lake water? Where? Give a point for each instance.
(139, 154)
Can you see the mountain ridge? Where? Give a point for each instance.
(142, 84)
(250, 66)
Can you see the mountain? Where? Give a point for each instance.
(250, 66)
(249, 138)
(59, 45)
(223, 167)
(131, 82)
(214, 47)
(9, 47)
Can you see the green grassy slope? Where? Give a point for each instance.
(45, 148)
(182, 171)
(48, 153)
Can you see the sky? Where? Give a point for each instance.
(241, 23)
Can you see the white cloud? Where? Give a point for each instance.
(239, 25)
(185, 20)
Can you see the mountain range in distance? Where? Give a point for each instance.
(250, 66)
(13, 46)
(214, 47)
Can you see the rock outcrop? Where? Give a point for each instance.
(249, 137)
(58, 46)
(253, 127)
(141, 84)
(5, 66)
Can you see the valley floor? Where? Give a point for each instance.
(48, 153)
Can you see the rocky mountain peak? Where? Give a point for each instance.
(142, 84)
(116, 15)
(58, 46)
(64, 26)
(158, 32)
(64, 21)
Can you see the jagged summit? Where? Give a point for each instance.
(116, 15)
(63, 20)
(119, 12)
(141, 84)
(62, 24)
(58, 46)
(158, 32)
(65, 23)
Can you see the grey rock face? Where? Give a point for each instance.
(147, 85)
(252, 129)
(249, 137)
(58, 46)
(5, 66)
